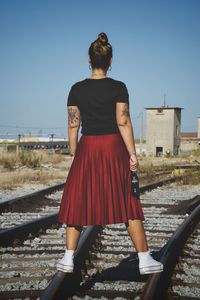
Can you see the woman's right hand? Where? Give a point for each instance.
(134, 164)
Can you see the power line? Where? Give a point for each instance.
(27, 127)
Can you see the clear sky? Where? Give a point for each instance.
(44, 50)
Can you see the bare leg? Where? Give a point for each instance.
(66, 264)
(147, 264)
(72, 236)
(136, 232)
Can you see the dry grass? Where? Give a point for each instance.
(33, 171)
(196, 153)
(150, 169)
(30, 159)
(8, 160)
(53, 158)
(193, 179)
(14, 179)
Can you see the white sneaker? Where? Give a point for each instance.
(148, 265)
(66, 264)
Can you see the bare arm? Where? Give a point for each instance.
(125, 126)
(73, 127)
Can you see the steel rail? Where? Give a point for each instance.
(62, 280)
(65, 284)
(22, 231)
(29, 198)
(157, 284)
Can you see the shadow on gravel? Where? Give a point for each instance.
(184, 206)
(127, 270)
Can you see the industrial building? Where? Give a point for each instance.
(163, 130)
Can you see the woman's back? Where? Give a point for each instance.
(96, 99)
(98, 186)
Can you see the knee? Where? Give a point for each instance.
(77, 227)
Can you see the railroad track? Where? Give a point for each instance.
(28, 207)
(105, 264)
(180, 256)
(39, 204)
(112, 268)
(29, 213)
(185, 281)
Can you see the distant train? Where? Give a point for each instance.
(46, 146)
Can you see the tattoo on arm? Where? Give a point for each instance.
(73, 116)
(125, 110)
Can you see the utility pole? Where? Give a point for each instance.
(140, 116)
(142, 127)
(51, 140)
(19, 140)
(164, 99)
(52, 136)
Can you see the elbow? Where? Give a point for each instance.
(73, 127)
(123, 123)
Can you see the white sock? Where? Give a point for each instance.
(69, 252)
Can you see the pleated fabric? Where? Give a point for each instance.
(97, 190)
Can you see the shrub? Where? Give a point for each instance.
(8, 160)
(196, 152)
(30, 159)
(148, 170)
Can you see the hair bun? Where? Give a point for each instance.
(102, 38)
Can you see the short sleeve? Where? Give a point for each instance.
(122, 95)
(72, 98)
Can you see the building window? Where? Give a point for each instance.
(160, 111)
(176, 130)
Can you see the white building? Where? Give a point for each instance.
(163, 130)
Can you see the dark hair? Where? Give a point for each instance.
(100, 52)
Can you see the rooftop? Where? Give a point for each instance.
(189, 136)
(164, 107)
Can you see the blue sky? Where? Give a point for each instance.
(44, 50)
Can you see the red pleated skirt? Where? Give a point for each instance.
(97, 190)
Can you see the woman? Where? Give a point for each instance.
(98, 187)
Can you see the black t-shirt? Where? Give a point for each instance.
(96, 100)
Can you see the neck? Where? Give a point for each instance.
(98, 73)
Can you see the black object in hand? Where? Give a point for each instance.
(135, 190)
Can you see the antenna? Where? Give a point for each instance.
(164, 99)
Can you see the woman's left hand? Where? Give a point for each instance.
(134, 164)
